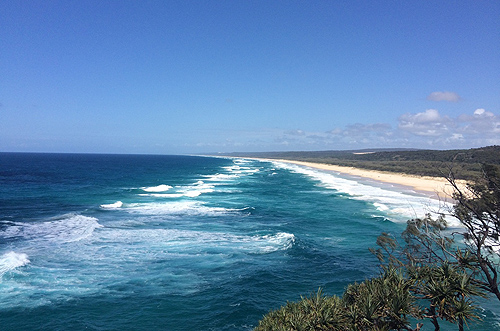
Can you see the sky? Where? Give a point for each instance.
(184, 77)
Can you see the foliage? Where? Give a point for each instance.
(447, 290)
(429, 275)
(448, 274)
(465, 163)
(318, 312)
(478, 209)
(382, 303)
(435, 291)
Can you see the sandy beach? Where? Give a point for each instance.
(437, 188)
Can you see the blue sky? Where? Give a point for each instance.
(174, 77)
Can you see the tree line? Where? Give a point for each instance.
(427, 273)
(466, 163)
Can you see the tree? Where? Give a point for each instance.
(449, 273)
(318, 312)
(448, 292)
(445, 285)
(431, 268)
(478, 209)
(381, 303)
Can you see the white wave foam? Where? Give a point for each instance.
(67, 228)
(177, 208)
(190, 191)
(115, 205)
(241, 161)
(190, 242)
(280, 241)
(220, 177)
(381, 206)
(236, 169)
(196, 189)
(163, 195)
(159, 188)
(248, 171)
(12, 260)
(399, 205)
(192, 194)
(120, 253)
(241, 167)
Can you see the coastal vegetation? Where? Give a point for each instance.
(465, 164)
(430, 273)
(387, 302)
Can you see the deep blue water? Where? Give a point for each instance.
(138, 242)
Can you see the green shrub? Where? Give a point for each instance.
(318, 312)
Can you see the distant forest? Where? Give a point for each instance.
(464, 164)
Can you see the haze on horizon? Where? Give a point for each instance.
(170, 77)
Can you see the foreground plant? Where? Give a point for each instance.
(478, 209)
(382, 303)
(318, 312)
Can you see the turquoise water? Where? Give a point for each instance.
(137, 242)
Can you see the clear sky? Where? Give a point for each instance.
(184, 76)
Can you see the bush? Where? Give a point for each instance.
(318, 312)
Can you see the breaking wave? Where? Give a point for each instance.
(177, 208)
(159, 188)
(12, 260)
(397, 204)
(115, 205)
(67, 228)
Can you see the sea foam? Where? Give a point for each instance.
(66, 228)
(159, 188)
(115, 205)
(196, 189)
(220, 177)
(168, 242)
(12, 260)
(176, 208)
(279, 241)
(399, 205)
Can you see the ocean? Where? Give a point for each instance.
(151, 242)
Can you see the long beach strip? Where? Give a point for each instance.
(435, 187)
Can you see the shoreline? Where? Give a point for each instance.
(434, 187)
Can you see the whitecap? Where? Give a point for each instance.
(190, 191)
(12, 260)
(381, 206)
(220, 177)
(250, 170)
(114, 205)
(159, 188)
(176, 208)
(192, 194)
(190, 242)
(163, 195)
(277, 242)
(241, 161)
(196, 189)
(67, 228)
(400, 205)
